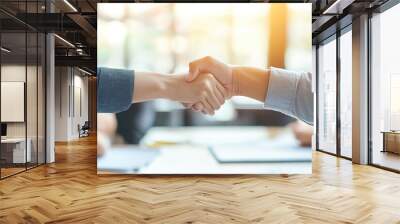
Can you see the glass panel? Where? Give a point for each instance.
(31, 98)
(327, 97)
(13, 79)
(41, 99)
(1, 124)
(32, 90)
(23, 90)
(346, 94)
(386, 89)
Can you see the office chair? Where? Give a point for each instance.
(84, 130)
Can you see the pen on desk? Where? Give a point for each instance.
(162, 143)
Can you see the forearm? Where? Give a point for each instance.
(286, 91)
(250, 82)
(150, 86)
(119, 88)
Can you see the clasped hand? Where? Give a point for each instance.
(212, 82)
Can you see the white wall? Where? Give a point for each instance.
(61, 103)
(33, 126)
(12, 73)
(81, 84)
(70, 83)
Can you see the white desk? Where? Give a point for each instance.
(191, 154)
(18, 151)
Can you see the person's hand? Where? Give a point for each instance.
(303, 132)
(106, 128)
(204, 90)
(221, 71)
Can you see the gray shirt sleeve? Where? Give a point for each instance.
(291, 93)
(114, 89)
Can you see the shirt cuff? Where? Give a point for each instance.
(281, 93)
(115, 90)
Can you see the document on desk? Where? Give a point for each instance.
(260, 154)
(126, 159)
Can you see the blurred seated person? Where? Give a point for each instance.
(106, 127)
(134, 123)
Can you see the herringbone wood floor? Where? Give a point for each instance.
(69, 191)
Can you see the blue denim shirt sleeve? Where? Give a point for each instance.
(114, 89)
(291, 93)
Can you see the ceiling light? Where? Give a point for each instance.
(64, 40)
(5, 50)
(70, 5)
(79, 51)
(84, 71)
(337, 7)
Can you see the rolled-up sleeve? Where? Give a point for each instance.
(291, 93)
(114, 89)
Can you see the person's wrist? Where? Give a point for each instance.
(169, 87)
(235, 89)
(250, 82)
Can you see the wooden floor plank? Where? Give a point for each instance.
(70, 191)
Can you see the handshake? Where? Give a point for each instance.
(207, 86)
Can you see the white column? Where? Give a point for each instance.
(50, 92)
(360, 90)
(314, 90)
(50, 99)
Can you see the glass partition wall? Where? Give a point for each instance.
(327, 96)
(13, 89)
(334, 90)
(22, 66)
(31, 98)
(346, 95)
(385, 89)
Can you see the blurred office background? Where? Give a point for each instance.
(166, 37)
